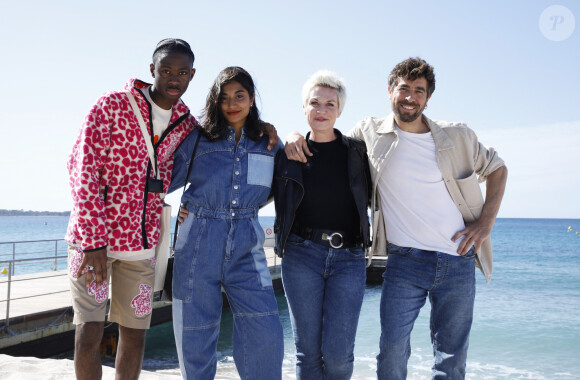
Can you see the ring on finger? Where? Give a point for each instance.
(90, 268)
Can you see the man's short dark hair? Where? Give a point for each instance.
(173, 45)
(413, 68)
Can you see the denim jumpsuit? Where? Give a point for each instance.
(221, 244)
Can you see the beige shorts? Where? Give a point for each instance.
(131, 292)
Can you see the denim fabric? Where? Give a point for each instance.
(225, 175)
(220, 245)
(410, 276)
(260, 169)
(324, 288)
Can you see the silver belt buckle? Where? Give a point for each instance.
(329, 239)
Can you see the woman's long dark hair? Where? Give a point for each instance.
(214, 122)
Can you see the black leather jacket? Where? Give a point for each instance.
(288, 189)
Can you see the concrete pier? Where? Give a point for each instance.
(40, 312)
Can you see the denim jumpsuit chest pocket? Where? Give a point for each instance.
(260, 169)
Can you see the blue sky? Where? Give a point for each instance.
(496, 70)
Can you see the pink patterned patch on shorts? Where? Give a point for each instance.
(142, 302)
(101, 294)
(75, 263)
(153, 261)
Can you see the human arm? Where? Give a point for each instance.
(89, 183)
(270, 130)
(181, 161)
(98, 260)
(183, 214)
(296, 147)
(178, 175)
(475, 233)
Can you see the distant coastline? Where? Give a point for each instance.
(33, 213)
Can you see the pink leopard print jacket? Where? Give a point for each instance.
(108, 168)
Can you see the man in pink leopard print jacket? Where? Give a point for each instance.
(114, 224)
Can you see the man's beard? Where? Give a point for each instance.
(407, 118)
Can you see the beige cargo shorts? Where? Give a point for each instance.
(131, 293)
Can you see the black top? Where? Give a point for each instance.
(328, 202)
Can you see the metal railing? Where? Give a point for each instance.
(56, 256)
(49, 249)
(51, 252)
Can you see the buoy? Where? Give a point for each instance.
(569, 228)
(4, 271)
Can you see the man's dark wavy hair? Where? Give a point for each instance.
(214, 122)
(413, 68)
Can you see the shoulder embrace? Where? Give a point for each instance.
(261, 146)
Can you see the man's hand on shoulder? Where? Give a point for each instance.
(296, 147)
(270, 130)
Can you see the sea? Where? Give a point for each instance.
(526, 323)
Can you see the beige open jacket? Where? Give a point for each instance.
(464, 163)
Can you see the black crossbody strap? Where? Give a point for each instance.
(184, 186)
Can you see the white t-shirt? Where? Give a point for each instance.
(160, 116)
(417, 207)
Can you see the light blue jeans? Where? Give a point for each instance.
(324, 288)
(449, 281)
(215, 249)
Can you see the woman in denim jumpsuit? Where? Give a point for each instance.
(221, 241)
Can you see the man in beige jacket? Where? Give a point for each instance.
(429, 216)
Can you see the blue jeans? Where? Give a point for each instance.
(324, 288)
(410, 276)
(212, 252)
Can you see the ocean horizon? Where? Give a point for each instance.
(526, 321)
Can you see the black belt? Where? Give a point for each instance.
(329, 238)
